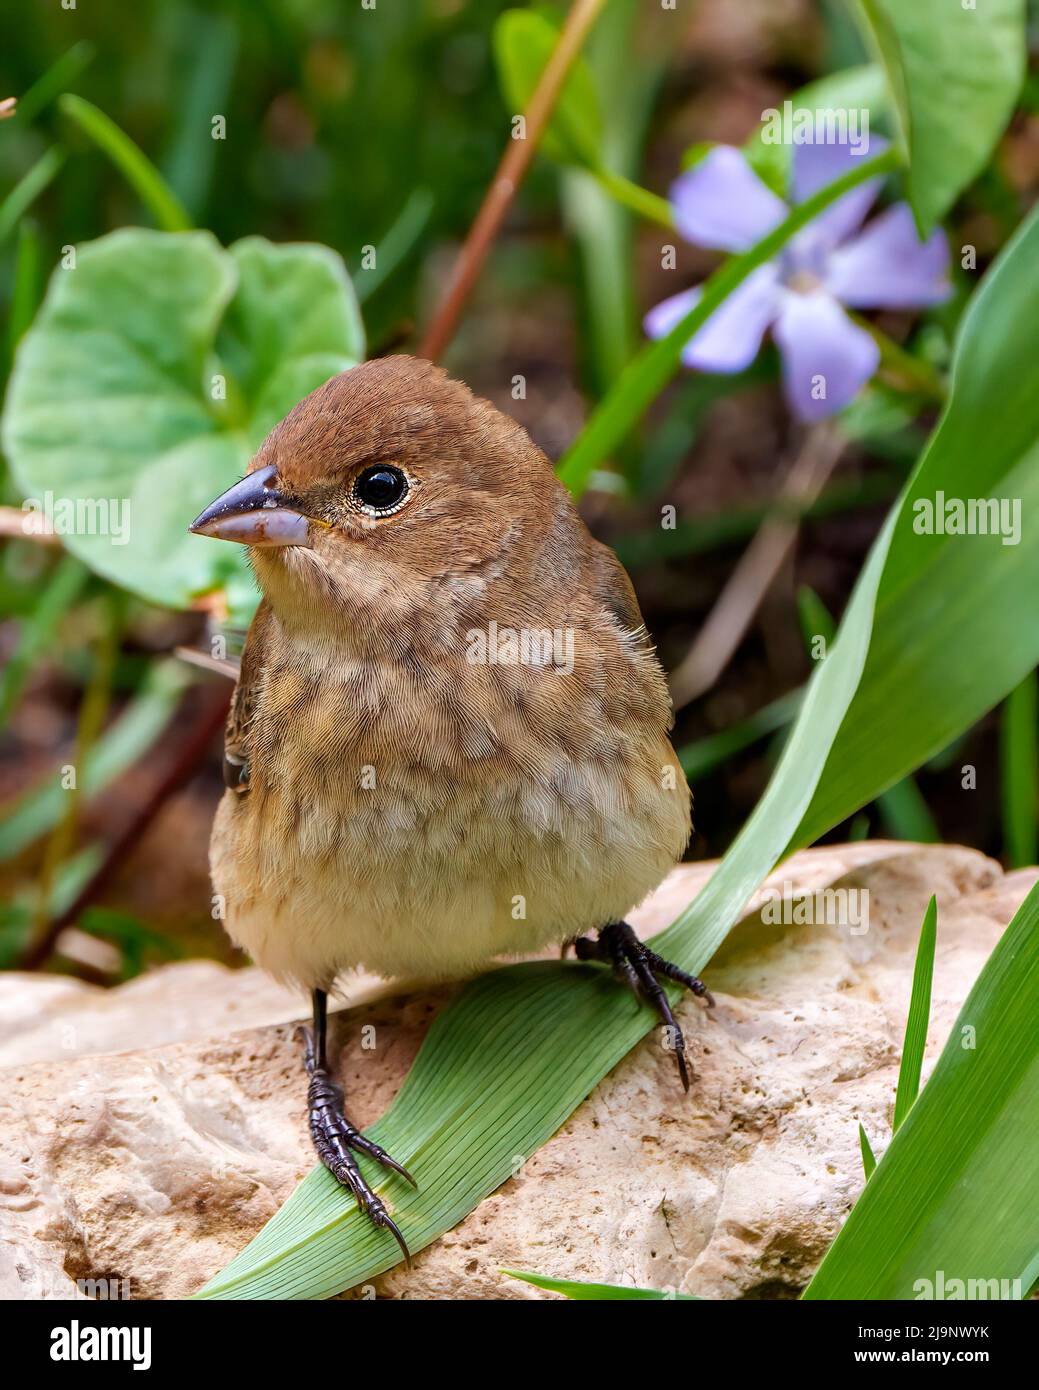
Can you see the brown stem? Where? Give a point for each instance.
(17, 524)
(731, 615)
(508, 177)
(211, 719)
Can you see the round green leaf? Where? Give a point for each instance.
(155, 367)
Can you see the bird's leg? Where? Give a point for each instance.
(638, 966)
(335, 1138)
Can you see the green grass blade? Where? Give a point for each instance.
(132, 163)
(1019, 772)
(613, 1293)
(955, 1191)
(869, 1163)
(918, 1017)
(906, 814)
(706, 754)
(38, 810)
(36, 631)
(902, 808)
(739, 523)
(649, 372)
(28, 189)
(63, 71)
(28, 284)
(202, 91)
(815, 618)
(397, 244)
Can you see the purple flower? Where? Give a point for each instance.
(722, 204)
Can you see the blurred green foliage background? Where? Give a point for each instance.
(382, 127)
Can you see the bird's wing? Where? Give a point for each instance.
(243, 703)
(613, 590)
(609, 584)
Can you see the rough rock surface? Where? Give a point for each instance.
(155, 1166)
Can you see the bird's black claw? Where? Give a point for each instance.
(376, 1151)
(638, 967)
(336, 1140)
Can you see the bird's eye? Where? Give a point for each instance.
(382, 488)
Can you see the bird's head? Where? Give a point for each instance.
(388, 492)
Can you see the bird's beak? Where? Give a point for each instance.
(254, 512)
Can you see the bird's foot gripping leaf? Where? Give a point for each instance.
(637, 966)
(336, 1140)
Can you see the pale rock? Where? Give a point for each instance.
(148, 1131)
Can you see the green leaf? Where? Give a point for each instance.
(523, 43)
(293, 323)
(467, 1112)
(955, 1190)
(918, 1017)
(1019, 772)
(137, 169)
(869, 1163)
(614, 1293)
(902, 807)
(955, 72)
(116, 391)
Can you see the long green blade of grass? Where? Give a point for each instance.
(27, 291)
(63, 71)
(397, 244)
(36, 630)
(734, 524)
(520, 1047)
(906, 814)
(37, 811)
(28, 189)
(954, 1195)
(613, 1293)
(142, 175)
(869, 1163)
(1019, 772)
(902, 807)
(706, 754)
(917, 1020)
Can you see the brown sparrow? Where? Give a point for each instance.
(449, 737)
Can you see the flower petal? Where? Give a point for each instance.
(721, 202)
(888, 267)
(660, 320)
(730, 339)
(826, 357)
(817, 165)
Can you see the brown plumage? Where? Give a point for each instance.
(449, 737)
